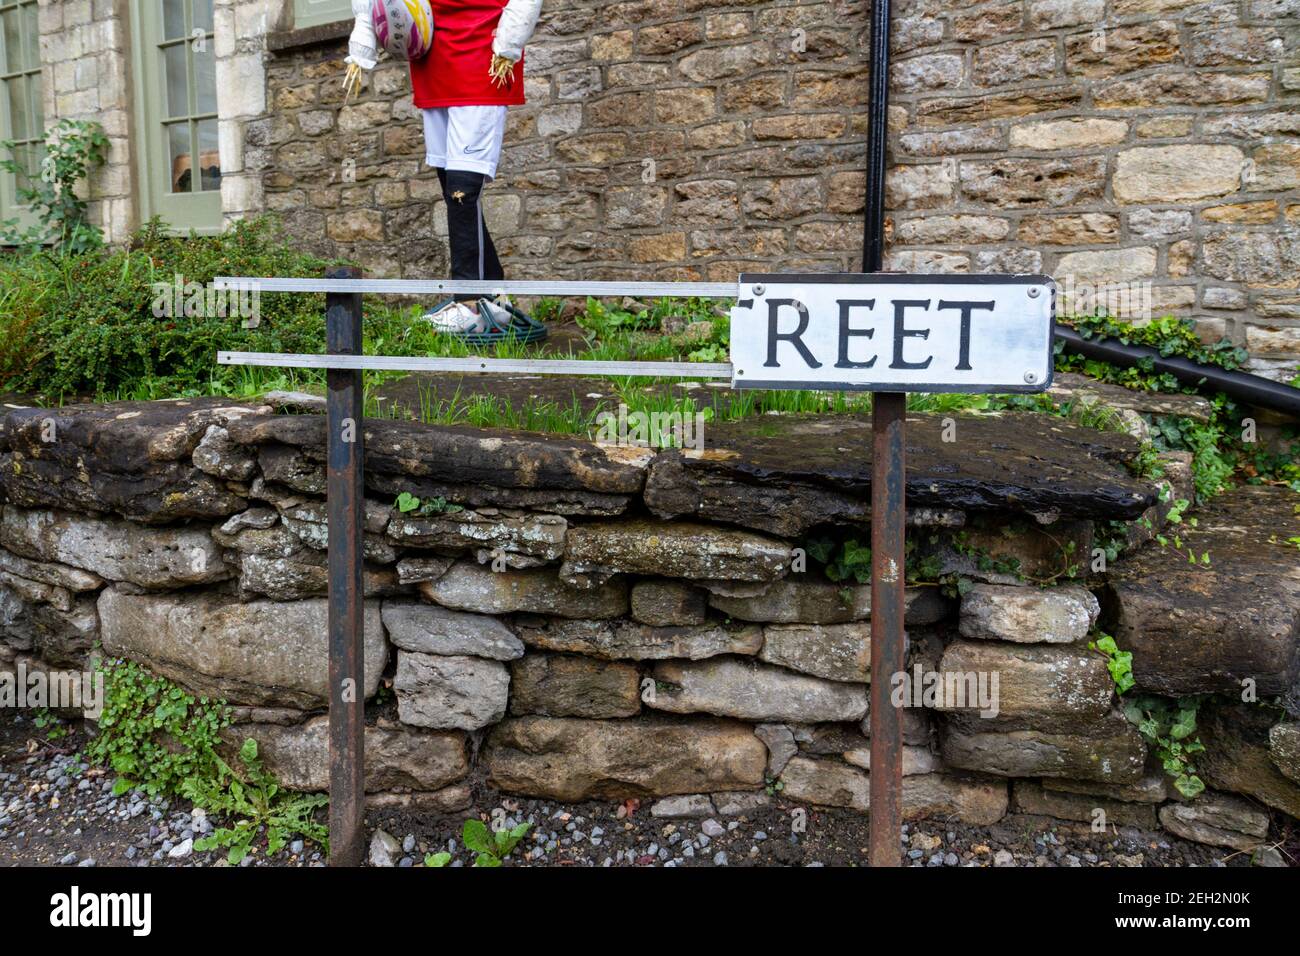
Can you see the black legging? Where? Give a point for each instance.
(473, 256)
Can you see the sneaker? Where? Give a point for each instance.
(456, 318)
(495, 313)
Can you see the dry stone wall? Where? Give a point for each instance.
(591, 621)
(1152, 147)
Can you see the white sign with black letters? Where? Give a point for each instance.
(893, 333)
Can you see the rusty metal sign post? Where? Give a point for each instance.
(888, 498)
(345, 504)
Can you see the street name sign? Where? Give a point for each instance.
(881, 332)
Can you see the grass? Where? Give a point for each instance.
(79, 327)
(609, 334)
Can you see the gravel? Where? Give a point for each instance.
(57, 810)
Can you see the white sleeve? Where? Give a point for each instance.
(515, 29)
(363, 48)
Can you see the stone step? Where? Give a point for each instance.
(1198, 628)
(785, 474)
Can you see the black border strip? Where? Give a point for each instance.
(902, 278)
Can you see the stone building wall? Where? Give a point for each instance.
(1153, 142)
(612, 622)
(1109, 141)
(239, 36)
(85, 55)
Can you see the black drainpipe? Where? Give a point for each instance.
(873, 240)
(1242, 386)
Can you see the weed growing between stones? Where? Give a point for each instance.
(1211, 467)
(1175, 540)
(51, 723)
(152, 733)
(1166, 725)
(157, 737)
(1119, 663)
(407, 503)
(256, 804)
(491, 846)
(1218, 453)
(847, 560)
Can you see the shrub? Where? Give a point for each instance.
(84, 324)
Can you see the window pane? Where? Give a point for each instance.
(19, 121)
(209, 156)
(38, 109)
(178, 100)
(173, 19)
(179, 157)
(33, 32)
(202, 12)
(205, 79)
(23, 156)
(14, 59)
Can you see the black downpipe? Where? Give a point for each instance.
(873, 240)
(1242, 386)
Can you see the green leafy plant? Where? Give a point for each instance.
(712, 352)
(548, 309)
(604, 320)
(46, 718)
(85, 325)
(407, 503)
(491, 847)
(844, 560)
(152, 733)
(1168, 726)
(70, 151)
(1119, 663)
(437, 859)
(256, 803)
(984, 559)
(1166, 335)
(1211, 466)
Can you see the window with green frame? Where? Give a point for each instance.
(176, 100)
(22, 119)
(312, 13)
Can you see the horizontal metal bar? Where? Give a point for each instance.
(396, 363)
(703, 290)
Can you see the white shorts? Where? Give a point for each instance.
(464, 137)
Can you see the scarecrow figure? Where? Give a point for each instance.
(473, 71)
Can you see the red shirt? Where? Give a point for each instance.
(455, 73)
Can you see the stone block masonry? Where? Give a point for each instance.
(85, 50)
(1100, 141)
(638, 651)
